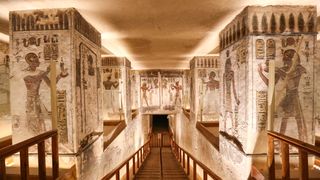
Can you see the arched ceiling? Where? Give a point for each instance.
(153, 33)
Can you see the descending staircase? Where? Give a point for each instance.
(152, 167)
(170, 166)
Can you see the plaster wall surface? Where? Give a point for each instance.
(228, 162)
(126, 143)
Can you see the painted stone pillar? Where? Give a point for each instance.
(38, 37)
(116, 88)
(256, 36)
(205, 85)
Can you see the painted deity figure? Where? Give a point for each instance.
(177, 87)
(289, 102)
(144, 89)
(228, 89)
(33, 80)
(211, 97)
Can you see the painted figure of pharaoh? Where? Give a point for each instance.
(110, 100)
(290, 73)
(211, 97)
(228, 88)
(35, 110)
(144, 89)
(177, 87)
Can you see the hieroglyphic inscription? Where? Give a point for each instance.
(62, 116)
(261, 103)
(271, 49)
(259, 48)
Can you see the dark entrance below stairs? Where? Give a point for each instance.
(160, 123)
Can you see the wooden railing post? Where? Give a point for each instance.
(134, 165)
(205, 175)
(118, 175)
(285, 173)
(138, 160)
(41, 160)
(188, 165)
(143, 153)
(141, 157)
(23, 146)
(24, 164)
(55, 156)
(303, 165)
(194, 169)
(271, 166)
(303, 148)
(128, 170)
(180, 154)
(183, 162)
(2, 169)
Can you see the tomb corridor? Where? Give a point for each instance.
(151, 90)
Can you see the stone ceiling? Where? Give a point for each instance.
(152, 33)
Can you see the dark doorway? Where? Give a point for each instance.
(160, 123)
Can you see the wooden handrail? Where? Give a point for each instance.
(303, 148)
(178, 151)
(23, 146)
(141, 154)
(295, 142)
